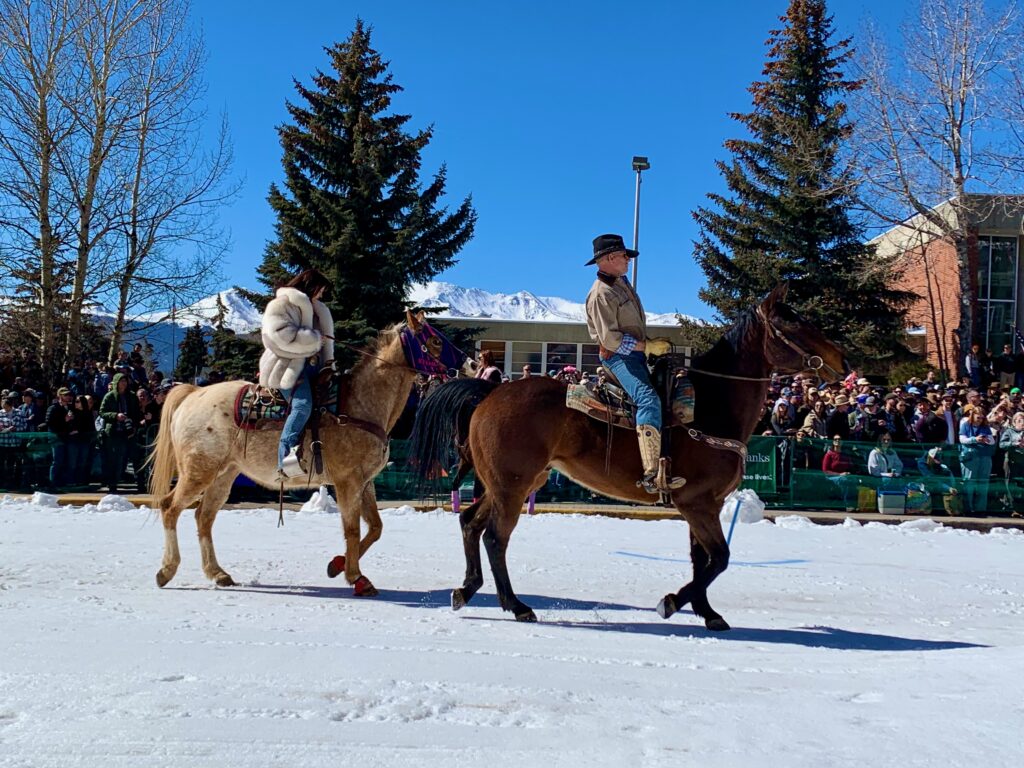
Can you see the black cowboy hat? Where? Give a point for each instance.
(605, 244)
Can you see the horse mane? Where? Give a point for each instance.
(727, 348)
(375, 345)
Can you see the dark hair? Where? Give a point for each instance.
(309, 281)
(487, 358)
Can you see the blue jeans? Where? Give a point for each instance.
(62, 469)
(300, 398)
(976, 473)
(631, 371)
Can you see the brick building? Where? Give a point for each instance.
(931, 270)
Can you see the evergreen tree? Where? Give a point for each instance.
(352, 204)
(786, 216)
(191, 354)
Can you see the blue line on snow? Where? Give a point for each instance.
(759, 564)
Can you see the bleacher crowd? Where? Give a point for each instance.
(101, 419)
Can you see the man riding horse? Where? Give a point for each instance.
(616, 321)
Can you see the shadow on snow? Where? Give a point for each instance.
(808, 637)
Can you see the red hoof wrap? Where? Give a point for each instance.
(363, 588)
(336, 566)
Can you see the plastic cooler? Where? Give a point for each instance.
(892, 502)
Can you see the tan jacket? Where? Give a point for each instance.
(613, 309)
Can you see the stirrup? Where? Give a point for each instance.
(663, 482)
(291, 466)
(649, 483)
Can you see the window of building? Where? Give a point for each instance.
(560, 355)
(591, 358)
(997, 291)
(526, 353)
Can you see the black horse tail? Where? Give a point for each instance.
(442, 426)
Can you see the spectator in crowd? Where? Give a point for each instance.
(121, 415)
(883, 461)
(783, 421)
(101, 384)
(12, 424)
(488, 370)
(1011, 440)
(873, 421)
(816, 422)
(527, 371)
(839, 420)
(837, 467)
(146, 437)
(972, 364)
(60, 420)
(30, 410)
(976, 448)
(764, 420)
(84, 440)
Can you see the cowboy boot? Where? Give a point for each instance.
(649, 439)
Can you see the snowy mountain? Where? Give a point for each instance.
(522, 305)
(240, 315)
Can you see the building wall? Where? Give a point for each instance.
(932, 272)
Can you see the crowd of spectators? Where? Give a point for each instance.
(969, 430)
(100, 418)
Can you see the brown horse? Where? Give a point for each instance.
(521, 430)
(199, 441)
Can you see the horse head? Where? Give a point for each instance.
(794, 345)
(430, 351)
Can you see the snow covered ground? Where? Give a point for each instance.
(852, 646)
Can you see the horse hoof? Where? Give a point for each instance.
(717, 624)
(161, 579)
(336, 566)
(458, 601)
(667, 606)
(528, 616)
(224, 581)
(363, 588)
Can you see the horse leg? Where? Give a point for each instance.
(710, 556)
(351, 504)
(472, 519)
(171, 506)
(213, 499)
(499, 530)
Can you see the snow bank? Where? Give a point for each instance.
(751, 507)
(321, 501)
(112, 503)
(44, 500)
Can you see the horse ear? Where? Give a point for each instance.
(411, 321)
(421, 316)
(777, 295)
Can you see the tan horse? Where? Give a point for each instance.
(200, 443)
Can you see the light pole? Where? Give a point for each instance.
(640, 164)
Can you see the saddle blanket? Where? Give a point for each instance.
(260, 408)
(606, 402)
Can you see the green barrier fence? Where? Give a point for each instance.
(785, 472)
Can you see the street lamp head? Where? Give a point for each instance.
(640, 163)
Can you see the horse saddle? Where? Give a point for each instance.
(608, 402)
(257, 407)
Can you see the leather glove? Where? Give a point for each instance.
(659, 346)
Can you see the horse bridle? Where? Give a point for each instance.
(417, 336)
(774, 334)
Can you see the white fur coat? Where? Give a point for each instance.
(294, 329)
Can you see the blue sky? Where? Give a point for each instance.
(537, 109)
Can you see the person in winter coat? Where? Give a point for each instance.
(297, 328)
(1011, 440)
(60, 420)
(883, 461)
(121, 415)
(976, 448)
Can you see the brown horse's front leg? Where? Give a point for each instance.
(709, 554)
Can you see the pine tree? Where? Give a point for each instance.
(353, 205)
(191, 354)
(786, 216)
